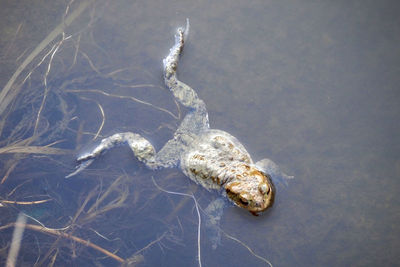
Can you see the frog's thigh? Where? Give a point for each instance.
(186, 95)
(194, 122)
(169, 154)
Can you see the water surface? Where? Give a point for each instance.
(311, 85)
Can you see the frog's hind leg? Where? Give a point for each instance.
(142, 149)
(197, 118)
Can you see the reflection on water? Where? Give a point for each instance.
(310, 85)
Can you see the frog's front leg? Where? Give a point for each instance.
(271, 168)
(142, 149)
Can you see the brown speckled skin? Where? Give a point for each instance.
(218, 160)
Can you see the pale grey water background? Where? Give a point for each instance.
(313, 85)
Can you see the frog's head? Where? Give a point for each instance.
(252, 190)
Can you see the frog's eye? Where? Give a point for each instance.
(264, 188)
(243, 201)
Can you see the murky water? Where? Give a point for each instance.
(312, 85)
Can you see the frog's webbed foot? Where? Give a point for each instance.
(82, 165)
(142, 149)
(171, 61)
(271, 168)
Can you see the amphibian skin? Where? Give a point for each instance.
(213, 158)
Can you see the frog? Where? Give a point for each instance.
(210, 157)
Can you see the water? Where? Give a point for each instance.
(311, 85)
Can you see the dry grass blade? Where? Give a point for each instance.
(65, 235)
(25, 202)
(34, 150)
(103, 120)
(198, 216)
(110, 189)
(124, 97)
(148, 245)
(249, 249)
(90, 62)
(9, 170)
(87, 199)
(95, 210)
(103, 117)
(46, 89)
(16, 240)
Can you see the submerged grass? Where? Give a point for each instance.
(35, 112)
(40, 121)
(21, 138)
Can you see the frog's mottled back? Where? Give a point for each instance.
(217, 160)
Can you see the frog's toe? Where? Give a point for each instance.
(82, 165)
